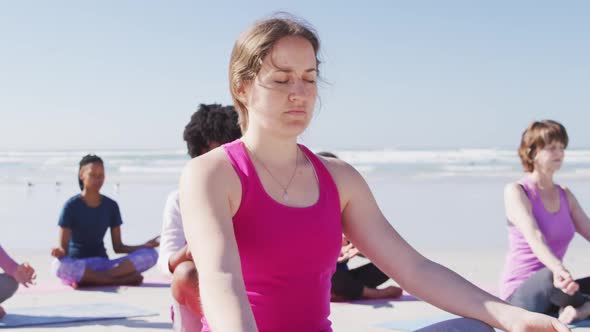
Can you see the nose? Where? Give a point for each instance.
(298, 90)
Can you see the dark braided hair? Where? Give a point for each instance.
(211, 123)
(87, 159)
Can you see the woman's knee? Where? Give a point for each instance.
(8, 286)
(69, 270)
(143, 259)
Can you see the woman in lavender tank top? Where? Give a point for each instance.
(264, 216)
(542, 220)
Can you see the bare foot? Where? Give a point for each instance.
(134, 279)
(2, 313)
(392, 292)
(103, 279)
(389, 292)
(568, 314)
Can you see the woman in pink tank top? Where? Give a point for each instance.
(264, 216)
(542, 220)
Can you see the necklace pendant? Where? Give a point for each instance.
(286, 196)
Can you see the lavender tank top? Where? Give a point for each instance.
(288, 254)
(557, 228)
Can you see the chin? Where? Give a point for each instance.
(96, 188)
(295, 127)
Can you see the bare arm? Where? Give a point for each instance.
(365, 225)
(120, 248)
(205, 188)
(581, 220)
(64, 235)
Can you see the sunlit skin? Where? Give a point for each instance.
(550, 158)
(282, 97)
(92, 176)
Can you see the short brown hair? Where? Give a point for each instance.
(254, 44)
(536, 137)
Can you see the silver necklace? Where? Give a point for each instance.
(285, 188)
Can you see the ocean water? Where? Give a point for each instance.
(448, 199)
(150, 166)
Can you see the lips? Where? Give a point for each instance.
(296, 112)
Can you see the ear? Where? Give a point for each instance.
(242, 91)
(81, 172)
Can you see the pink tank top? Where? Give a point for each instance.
(557, 228)
(287, 254)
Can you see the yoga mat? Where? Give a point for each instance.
(59, 314)
(51, 286)
(582, 323)
(415, 324)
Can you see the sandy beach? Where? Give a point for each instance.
(456, 221)
(479, 266)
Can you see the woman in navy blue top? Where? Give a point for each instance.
(81, 258)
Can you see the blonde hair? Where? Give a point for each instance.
(254, 45)
(536, 137)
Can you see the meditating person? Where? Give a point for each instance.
(14, 274)
(209, 127)
(264, 216)
(543, 217)
(80, 257)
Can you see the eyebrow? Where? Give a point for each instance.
(288, 70)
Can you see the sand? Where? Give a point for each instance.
(480, 266)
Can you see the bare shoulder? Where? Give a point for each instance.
(212, 167)
(348, 180)
(340, 170)
(567, 191)
(513, 189)
(570, 197)
(515, 197)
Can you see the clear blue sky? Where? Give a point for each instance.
(412, 74)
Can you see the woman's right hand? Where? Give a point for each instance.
(347, 252)
(58, 252)
(153, 243)
(534, 322)
(563, 280)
